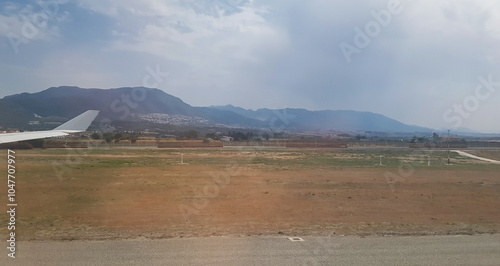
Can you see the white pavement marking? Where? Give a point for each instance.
(476, 157)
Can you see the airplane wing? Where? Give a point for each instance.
(77, 124)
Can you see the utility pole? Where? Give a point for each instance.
(448, 146)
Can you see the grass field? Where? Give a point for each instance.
(130, 193)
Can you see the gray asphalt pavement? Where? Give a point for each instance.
(337, 250)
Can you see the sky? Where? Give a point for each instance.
(431, 63)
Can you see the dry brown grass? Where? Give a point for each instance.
(133, 193)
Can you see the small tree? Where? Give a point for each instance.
(435, 137)
(192, 134)
(96, 136)
(108, 137)
(211, 135)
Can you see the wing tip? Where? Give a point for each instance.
(79, 123)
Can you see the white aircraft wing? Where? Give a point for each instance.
(77, 124)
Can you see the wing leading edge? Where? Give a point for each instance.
(77, 124)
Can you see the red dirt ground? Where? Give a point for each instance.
(202, 200)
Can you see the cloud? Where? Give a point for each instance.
(21, 24)
(273, 53)
(197, 28)
(207, 45)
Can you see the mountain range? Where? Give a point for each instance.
(134, 104)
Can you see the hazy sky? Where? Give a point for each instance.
(432, 63)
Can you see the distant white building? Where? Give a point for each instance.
(226, 138)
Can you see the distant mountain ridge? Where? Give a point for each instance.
(132, 103)
(343, 120)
